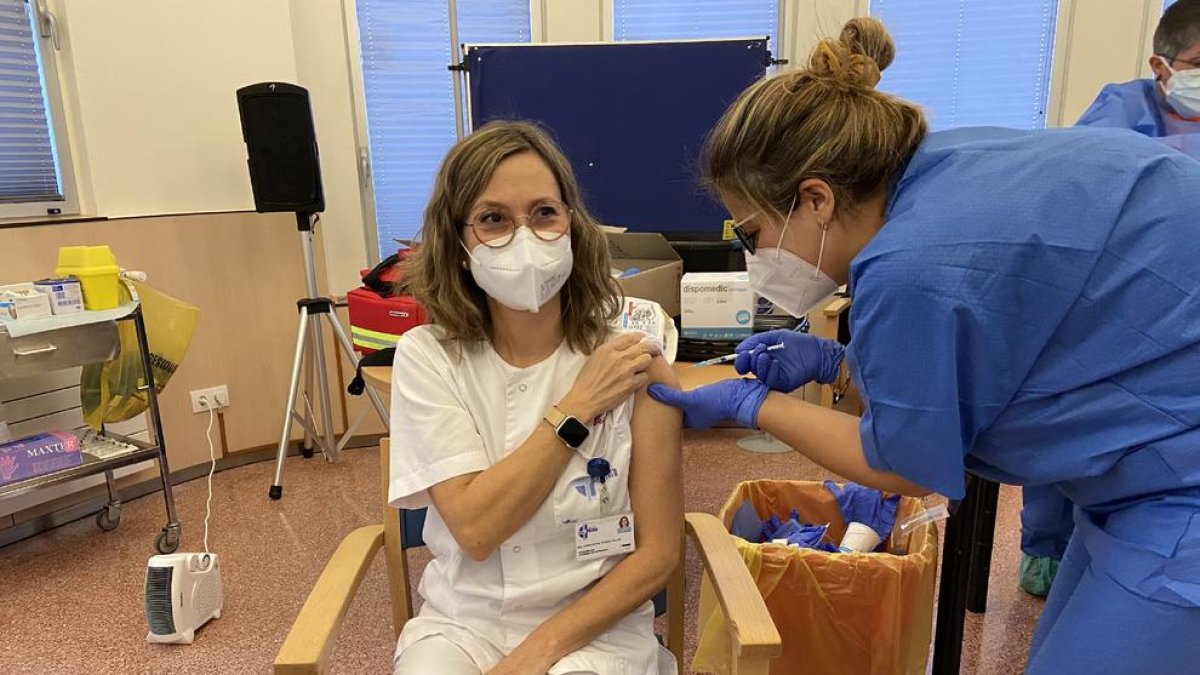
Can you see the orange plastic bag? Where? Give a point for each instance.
(837, 613)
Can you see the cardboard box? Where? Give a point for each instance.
(37, 455)
(66, 295)
(717, 306)
(660, 267)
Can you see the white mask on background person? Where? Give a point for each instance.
(524, 274)
(791, 282)
(1183, 90)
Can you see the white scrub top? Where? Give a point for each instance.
(453, 415)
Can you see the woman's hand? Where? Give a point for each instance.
(517, 663)
(785, 360)
(704, 407)
(612, 374)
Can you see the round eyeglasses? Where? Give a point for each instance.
(495, 226)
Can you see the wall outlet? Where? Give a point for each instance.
(216, 397)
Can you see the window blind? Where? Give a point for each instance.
(405, 47)
(694, 19)
(28, 164)
(972, 62)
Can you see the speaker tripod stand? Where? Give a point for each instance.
(310, 357)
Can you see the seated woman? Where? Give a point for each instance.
(524, 426)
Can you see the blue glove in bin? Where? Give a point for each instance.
(861, 504)
(795, 531)
(746, 523)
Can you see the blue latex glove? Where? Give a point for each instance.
(860, 504)
(746, 523)
(769, 527)
(804, 535)
(804, 358)
(796, 532)
(735, 399)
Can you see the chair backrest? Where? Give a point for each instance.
(412, 528)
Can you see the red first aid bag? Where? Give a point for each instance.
(377, 317)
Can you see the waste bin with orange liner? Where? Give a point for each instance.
(838, 613)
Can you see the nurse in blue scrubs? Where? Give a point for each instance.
(1026, 307)
(1166, 108)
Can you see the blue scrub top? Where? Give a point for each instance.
(1030, 312)
(1138, 105)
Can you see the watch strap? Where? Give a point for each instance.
(555, 417)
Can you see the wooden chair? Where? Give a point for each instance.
(309, 643)
(826, 321)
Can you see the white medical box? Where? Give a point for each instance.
(66, 295)
(717, 306)
(22, 301)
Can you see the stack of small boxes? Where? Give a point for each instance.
(40, 299)
(88, 277)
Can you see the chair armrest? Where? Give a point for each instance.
(751, 628)
(836, 307)
(310, 641)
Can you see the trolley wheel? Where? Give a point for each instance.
(166, 542)
(108, 518)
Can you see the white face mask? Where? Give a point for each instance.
(791, 282)
(526, 273)
(1183, 90)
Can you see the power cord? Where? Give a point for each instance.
(212, 456)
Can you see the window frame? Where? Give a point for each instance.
(52, 90)
(358, 103)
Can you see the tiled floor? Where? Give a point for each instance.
(71, 599)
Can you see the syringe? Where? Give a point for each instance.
(729, 357)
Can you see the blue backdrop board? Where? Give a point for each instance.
(631, 117)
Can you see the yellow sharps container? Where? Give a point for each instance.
(97, 271)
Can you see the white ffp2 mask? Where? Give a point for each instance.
(526, 273)
(791, 282)
(1183, 90)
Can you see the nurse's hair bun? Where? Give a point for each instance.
(826, 121)
(857, 57)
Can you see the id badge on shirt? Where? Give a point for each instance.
(604, 537)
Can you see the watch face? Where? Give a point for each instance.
(573, 432)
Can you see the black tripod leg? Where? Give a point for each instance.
(983, 533)
(306, 446)
(952, 592)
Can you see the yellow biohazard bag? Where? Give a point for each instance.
(861, 613)
(112, 391)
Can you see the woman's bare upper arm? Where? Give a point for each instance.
(656, 473)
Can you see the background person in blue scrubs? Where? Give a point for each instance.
(1026, 307)
(1166, 107)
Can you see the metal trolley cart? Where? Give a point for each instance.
(68, 341)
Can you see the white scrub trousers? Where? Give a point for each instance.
(436, 655)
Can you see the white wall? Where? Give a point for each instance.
(154, 82)
(152, 115)
(570, 20)
(323, 65)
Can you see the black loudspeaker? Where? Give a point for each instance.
(285, 168)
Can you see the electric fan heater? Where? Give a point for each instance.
(183, 591)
